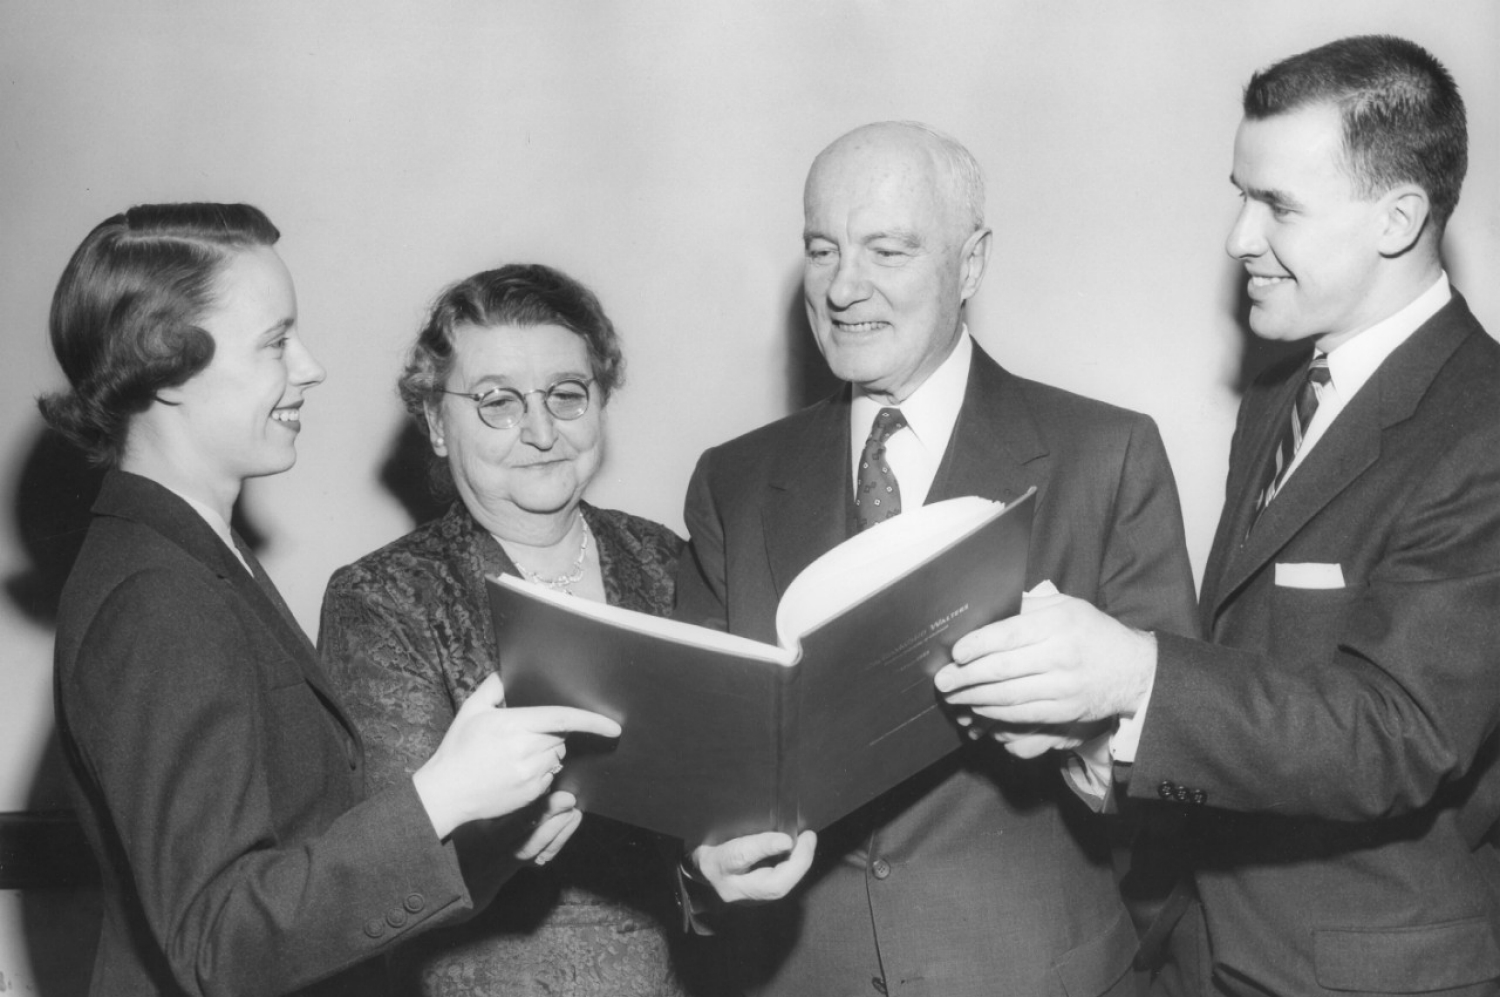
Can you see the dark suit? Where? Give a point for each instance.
(982, 875)
(216, 777)
(1348, 734)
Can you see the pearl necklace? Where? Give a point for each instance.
(562, 583)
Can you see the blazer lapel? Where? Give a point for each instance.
(1242, 492)
(996, 450)
(258, 589)
(1349, 447)
(806, 512)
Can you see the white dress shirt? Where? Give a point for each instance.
(215, 523)
(931, 412)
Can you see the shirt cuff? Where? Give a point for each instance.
(1089, 770)
(1127, 736)
(696, 899)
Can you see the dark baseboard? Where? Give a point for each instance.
(44, 850)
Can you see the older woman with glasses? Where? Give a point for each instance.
(510, 377)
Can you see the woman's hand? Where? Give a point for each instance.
(494, 761)
(554, 827)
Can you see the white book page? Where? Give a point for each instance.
(868, 561)
(682, 633)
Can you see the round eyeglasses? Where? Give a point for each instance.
(504, 408)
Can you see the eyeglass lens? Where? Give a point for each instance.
(504, 408)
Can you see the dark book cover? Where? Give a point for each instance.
(720, 742)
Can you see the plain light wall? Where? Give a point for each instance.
(656, 150)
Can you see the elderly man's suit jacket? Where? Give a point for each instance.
(981, 875)
(218, 780)
(1340, 741)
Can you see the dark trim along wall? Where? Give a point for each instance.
(42, 850)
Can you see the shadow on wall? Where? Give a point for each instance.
(51, 514)
(407, 473)
(808, 378)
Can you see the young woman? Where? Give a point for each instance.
(216, 775)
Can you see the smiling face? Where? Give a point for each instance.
(239, 417)
(542, 466)
(889, 260)
(1312, 248)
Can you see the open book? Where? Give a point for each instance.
(725, 736)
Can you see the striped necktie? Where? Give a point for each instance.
(1298, 420)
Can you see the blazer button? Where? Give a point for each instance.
(1200, 797)
(1181, 795)
(414, 902)
(374, 927)
(880, 869)
(395, 917)
(1166, 790)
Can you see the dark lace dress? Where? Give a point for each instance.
(406, 637)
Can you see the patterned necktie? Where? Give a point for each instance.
(1291, 438)
(877, 495)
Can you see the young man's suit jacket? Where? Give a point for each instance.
(1336, 745)
(218, 780)
(981, 875)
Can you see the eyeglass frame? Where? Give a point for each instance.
(478, 398)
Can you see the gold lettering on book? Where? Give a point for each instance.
(941, 624)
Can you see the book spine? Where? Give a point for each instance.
(789, 745)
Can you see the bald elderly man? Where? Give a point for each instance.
(982, 874)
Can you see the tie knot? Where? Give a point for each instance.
(1319, 373)
(888, 422)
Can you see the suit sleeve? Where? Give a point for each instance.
(702, 577)
(1145, 579)
(1364, 702)
(171, 722)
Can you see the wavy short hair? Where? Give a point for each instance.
(126, 314)
(521, 294)
(1403, 118)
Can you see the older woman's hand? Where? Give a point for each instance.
(494, 761)
(553, 829)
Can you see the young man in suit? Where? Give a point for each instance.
(1335, 741)
(982, 874)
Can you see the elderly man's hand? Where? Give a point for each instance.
(757, 867)
(1060, 661)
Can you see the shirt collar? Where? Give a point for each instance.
(931, 410)
(1352, 363)
(215, 522)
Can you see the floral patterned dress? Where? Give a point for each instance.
(406, 636)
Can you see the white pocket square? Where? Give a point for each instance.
(1309, 576)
